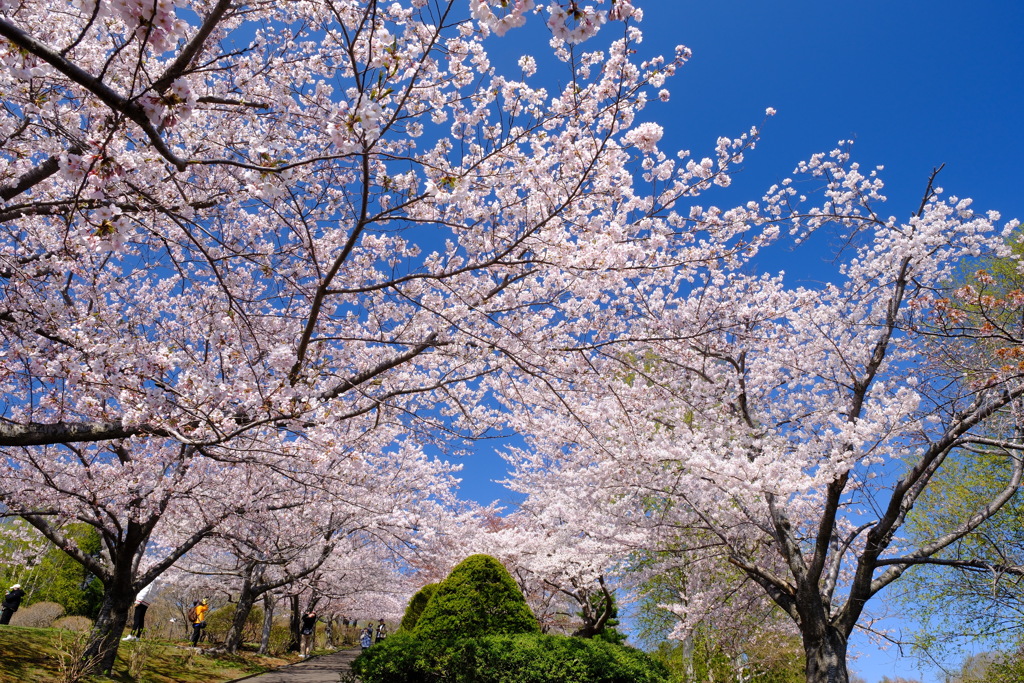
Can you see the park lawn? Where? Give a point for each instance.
(30, 655)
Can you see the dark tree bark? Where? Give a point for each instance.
(246, 599)
(253, 587)
(113, 617)
(296, 620)
(826, 656)
(594, 612)
(268, 622)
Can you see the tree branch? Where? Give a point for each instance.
(42, 434)
(105, 93)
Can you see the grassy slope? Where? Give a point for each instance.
(28, 655)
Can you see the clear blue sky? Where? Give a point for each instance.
(916, 84)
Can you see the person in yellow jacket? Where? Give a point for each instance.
(199, 622)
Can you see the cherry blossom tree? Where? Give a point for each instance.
(280, 506)
(314, 523)
(788, 430)
(242, 216)
(229, 228)
(559, 560)
(150, 501)
(252, 557)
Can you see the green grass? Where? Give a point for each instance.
(30, 655)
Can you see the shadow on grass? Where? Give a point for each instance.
(29, 654)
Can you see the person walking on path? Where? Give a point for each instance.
(366, 638)
(139, 623)
(199, 620)
(12, 601)
(307, 629)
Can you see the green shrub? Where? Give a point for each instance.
(401, 658)
(219, 620)
(416, 606)
(520, 658)
(280, 637)
(477, 628)
(479, 598)
(534, 658)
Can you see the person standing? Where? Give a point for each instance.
(307, 629)
(139, 623)
(366, 638)
(12, 601)
(199, 623)
(382, 631)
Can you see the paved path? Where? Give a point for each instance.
(322, 669)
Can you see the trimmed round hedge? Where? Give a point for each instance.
(517, 658)
(416, 606)
(477, 628)
(479, 598)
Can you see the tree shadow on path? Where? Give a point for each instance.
(320, 669)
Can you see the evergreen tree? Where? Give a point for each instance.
(417, 604)
(479, 598)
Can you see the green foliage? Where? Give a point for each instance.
(402, 658)
(518, 658)
(60, 579)
(990, 667)
(609, 633)
(51, 575)
(954, 605)
(219, 621)
(687, 662)
(542, 658)
(479, 598)
(1009, 669)
(778, 659)
(416, 606)
(651, 623)
(757, 643)
(477, 628)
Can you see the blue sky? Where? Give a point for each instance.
(915, 84)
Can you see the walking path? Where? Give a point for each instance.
(322, 669)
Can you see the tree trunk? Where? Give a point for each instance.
(826, 656)
(246, 599)
(294, 644)
(268, 622)
(106, 633)
(329, 632)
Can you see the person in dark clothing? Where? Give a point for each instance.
(141, 605)
(307, 629)
(382, 631)
(12, 601)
